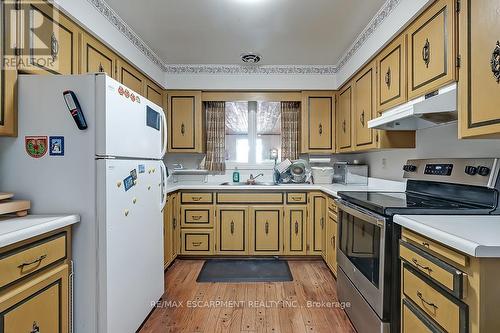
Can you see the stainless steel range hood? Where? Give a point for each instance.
(426, 111)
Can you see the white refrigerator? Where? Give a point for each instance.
(111, 173)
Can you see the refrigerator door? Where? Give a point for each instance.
(130, 253)
(128, 124)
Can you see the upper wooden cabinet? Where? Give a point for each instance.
(154, 93)
(344, 115)
(131, 77)
(479, 84)
(391, 75)
(96, 57)
(318, 115)
(364, 108)
(185, 122)
(432, 49)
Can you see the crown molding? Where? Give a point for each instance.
(105, 10)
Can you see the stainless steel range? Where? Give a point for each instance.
(369, 275)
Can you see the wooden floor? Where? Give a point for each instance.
(254, 306)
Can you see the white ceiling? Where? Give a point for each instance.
(284, 32)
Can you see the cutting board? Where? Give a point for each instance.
(9, 206)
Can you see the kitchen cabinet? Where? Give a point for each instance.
(330, 242)
(344, 116)
(267, 230)
(96, 57)
(153, 93)
(8, 74)
(232, 230)
(197, 216)
(479, 84)
(318, 126)
(168, 235)
(391, 74)
(197, 241)
(295, 230)
(131, 77)
(185, 122)
(317, 222)
(432, 50)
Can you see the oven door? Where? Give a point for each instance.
(361, 255)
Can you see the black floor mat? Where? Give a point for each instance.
(251, 270)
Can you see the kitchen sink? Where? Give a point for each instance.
(248, 184)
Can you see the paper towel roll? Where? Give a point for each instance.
(320, 160)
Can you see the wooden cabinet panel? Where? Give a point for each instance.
(185, 122)
(195, 198)
(131, 77)
(197, 241)
(318, 122)
(330, 243)
(414, 321)
(432, 49)
(479, 84)
(296, 198)
(345, 102)
(250, 198)
(196, 216)
(391, 75)
(154, 93)
(168, 246)
(48, 40)
(364, 108)
(267, 230)
(96, 57)
(232, 229)
(295, 230)
(317, 220)
(39, 305)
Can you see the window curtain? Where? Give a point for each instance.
(216, 136)
(290, 130)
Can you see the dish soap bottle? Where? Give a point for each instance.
(236, 175)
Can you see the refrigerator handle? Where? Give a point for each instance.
(165, 136)
(163, 185)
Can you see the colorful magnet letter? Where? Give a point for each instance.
(36, 146)
(56, 146)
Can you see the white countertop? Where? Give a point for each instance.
(477, 236)
(16, 229)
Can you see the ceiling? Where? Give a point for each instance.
(284, 32)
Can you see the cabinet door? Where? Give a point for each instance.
(38, 305)
(391, 75)
(8, 74)
(295, 230)
(232, 229)
(131, 77)
(364, 108)
(48, 40)
(96, 57)
(267, 230)
(344, 119)
(432, 49)
(479, 84)
(414, 321)
(331, 243)
(317, 215)
(318, 122)
(176, 228)
(154, 93)
(185, 122)
(167, 232)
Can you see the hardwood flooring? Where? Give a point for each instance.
(249, 307)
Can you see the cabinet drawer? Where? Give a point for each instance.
(197, 241)
(197, 216)
(415, 321)
(39, 305)
(437, 248)
(187, 198)
(31, 258)
(296, 198)
(250, 198)
(440, 272)
(446, 310)
(332, 206)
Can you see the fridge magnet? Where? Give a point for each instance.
(128, 183)
(142, 168)
(133, 173)
(36, 146)
(56, 146)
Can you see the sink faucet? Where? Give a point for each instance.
(252, 179)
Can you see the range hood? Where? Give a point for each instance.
(426, 111)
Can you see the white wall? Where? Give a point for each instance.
(87, 16)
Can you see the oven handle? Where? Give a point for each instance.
(379, 221)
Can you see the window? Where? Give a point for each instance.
(253, 132)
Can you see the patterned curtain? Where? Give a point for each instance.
(290, 130)
(216, 136)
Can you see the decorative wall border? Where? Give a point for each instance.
(104, 9)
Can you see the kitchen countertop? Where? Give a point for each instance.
(475, 235)
(374, 184)
(16, 229)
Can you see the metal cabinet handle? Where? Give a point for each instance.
(426, 53)
(197, 217)
(183, 129)
(388, 77)
(296, 198)
(266, 228)
(296, 227)
(35, 328)
(322, 222)
(427, 245)
(54, 46)
(333, 241)
(343, 126)
(320, 129)
(101, 68)
(495, 62)
(362, 118)
(232, 227)
(196, 198)
(422, 267)
(174, 222)
(196, 244)
(32, 262)
(419, 294)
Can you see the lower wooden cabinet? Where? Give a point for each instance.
(330, 243)
(317, 222)
(197, 216)
(197, 241)
(171, 230)
(232, 230)
(295, 230)
(267, 230)
(414, 321)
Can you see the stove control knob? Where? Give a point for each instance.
(410, 168)
(483, 171)
(471, 170)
